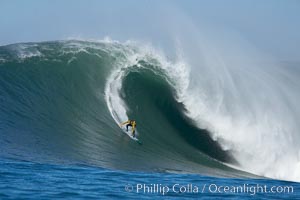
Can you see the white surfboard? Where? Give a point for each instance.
(129, 133)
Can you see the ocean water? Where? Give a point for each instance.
(27, 180)
(206, 131)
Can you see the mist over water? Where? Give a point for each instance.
(250, 105)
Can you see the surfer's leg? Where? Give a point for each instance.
(128, 126)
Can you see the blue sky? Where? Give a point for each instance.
(273, 26)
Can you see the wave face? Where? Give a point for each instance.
(62, 101)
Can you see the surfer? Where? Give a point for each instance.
(131, 123)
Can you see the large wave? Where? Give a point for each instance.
(62, 101)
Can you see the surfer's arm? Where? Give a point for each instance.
(124, 123)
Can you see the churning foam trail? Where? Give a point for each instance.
(115, 104)
(250, 110)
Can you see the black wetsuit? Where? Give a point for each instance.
(128, 126)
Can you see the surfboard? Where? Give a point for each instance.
(130, 135)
